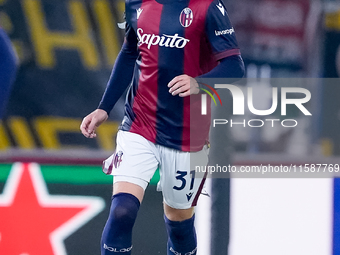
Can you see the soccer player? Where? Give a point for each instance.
(168, 46)
(7, 69)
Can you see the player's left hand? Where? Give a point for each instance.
(183, 85)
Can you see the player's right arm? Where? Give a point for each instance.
(120, 79)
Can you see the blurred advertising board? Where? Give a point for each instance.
(62, 209)
(272, 31)
(331, 70)
(66, 51)
(332, 40)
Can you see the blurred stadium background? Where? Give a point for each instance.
(59, 204)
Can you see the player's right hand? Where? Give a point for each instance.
(92, 121)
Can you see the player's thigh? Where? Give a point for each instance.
(180, 184)
(133, 164)
(128, 187)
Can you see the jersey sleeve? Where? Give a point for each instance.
(122, 72)
(220, 32)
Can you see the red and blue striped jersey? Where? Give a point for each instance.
(174, 37)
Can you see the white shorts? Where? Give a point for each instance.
(136, 159)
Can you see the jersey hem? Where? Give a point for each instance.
(185, 148)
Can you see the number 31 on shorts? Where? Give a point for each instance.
(181, 177)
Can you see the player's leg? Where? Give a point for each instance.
(117, 233)
(132, 165)
(181, 231)
(181, 188)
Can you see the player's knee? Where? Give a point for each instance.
(123, 213)
(117, 234)
(124, 209)
(177, 229)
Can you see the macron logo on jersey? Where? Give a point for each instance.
(172, 41)
(221, 8)
(139, 12)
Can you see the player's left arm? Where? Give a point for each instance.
(222, 39)
(230, 67)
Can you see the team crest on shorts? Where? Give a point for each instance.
(186, 17)
(118, 159)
